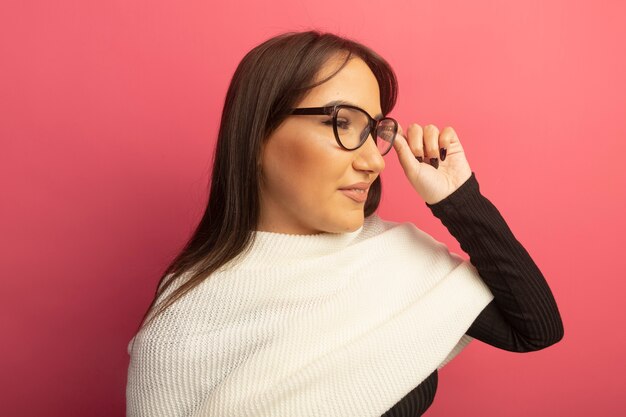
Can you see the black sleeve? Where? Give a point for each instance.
(523, 316)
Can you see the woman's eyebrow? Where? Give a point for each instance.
(336, 102)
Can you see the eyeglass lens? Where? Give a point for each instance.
(353, 127)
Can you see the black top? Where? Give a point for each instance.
(523, 315)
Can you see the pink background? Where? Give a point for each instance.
(108, 116)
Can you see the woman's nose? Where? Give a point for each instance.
(369, 157)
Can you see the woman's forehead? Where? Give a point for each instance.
(354, 83)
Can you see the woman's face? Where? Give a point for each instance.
(303, 166)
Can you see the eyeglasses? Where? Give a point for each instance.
(352, 125)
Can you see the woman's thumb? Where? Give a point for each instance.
(410, 165)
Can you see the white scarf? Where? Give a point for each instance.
(309, 325)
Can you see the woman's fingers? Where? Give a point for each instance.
(431, 145)
(445, 138)
(425, 143)
(428, 144)
(415, 136)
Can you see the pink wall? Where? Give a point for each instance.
(108, 116)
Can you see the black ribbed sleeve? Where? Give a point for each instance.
(523, 316)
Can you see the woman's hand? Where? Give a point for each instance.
(433, 179)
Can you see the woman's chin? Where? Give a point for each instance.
(352, 223)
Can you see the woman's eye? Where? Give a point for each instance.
(343, 124)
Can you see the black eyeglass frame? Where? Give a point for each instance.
(333, 110)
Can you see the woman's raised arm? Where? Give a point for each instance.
(523, 316)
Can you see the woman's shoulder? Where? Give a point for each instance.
(403, 233)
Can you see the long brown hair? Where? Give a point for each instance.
(270, 80)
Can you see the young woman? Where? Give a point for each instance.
(293, 297)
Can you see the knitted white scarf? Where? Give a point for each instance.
(318, 325)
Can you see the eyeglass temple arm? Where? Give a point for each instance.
(313, 110)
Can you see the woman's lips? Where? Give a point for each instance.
(357, 196)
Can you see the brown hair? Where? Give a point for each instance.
(271, 79)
